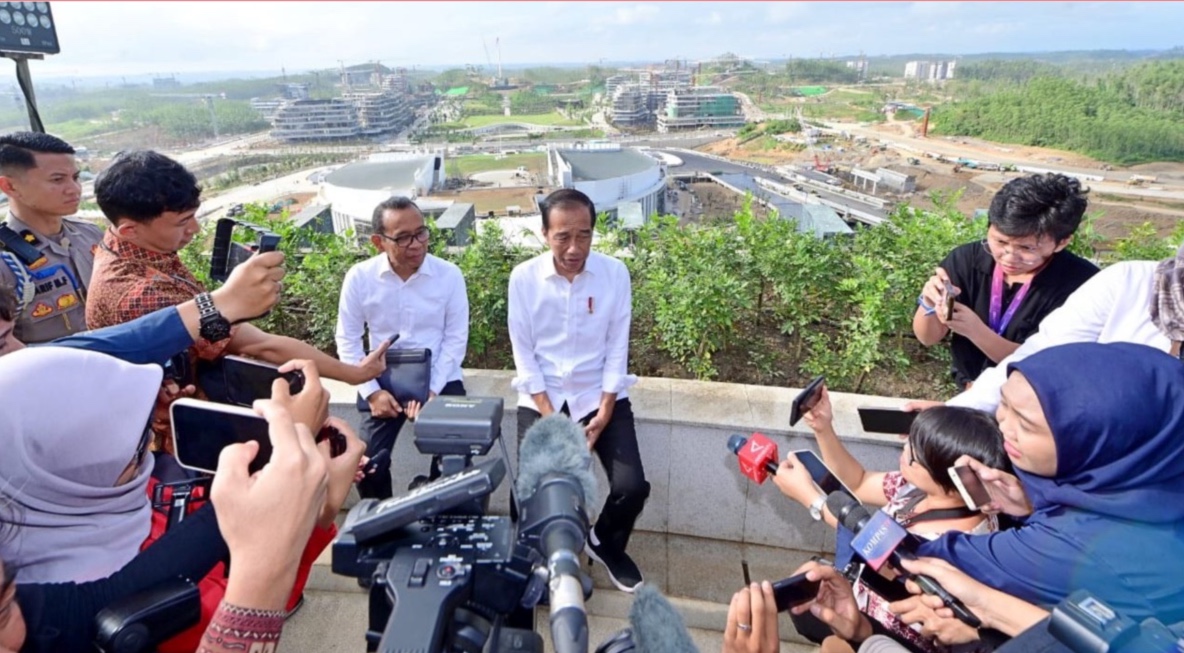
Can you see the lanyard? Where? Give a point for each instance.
(999, 323)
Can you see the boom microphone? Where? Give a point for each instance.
(555, 482)
(879, 539)
(654, 627)
(657, 626)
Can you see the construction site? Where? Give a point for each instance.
(899, 161)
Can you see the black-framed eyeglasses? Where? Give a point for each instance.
(145, 442)
(422, 234)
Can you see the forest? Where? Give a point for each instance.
(1129, 117)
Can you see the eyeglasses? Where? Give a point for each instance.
(422, 235)
(1024, 253)
(145, 441)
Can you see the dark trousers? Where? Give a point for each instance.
(617, 449)
(381, 433)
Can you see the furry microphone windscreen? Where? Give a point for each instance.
(555, 444)
(657, 626)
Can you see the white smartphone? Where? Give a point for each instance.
(970, 486)
(201, 429)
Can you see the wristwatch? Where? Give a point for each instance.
(816, 507)
(214, 327)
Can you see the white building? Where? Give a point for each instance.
(610, 175)
(701, 107)
(932, 71)
(306, 120)
(355, 189)
(380, 112)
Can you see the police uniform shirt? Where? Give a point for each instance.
(56, 306)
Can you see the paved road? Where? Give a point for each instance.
(696, 163)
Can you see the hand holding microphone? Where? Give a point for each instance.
(879, 539)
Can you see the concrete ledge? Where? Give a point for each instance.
(703, 516)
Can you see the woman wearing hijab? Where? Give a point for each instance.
(74, 429)
(1094, 433)
(76, 461)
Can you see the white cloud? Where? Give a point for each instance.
(635, 15)
(714, 18)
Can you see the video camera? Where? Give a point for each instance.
(444, 575)
(1085, 624)
(228, 254)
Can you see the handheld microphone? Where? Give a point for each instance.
(654, 627)
(879, 539)
(555, 482)
(758, 456)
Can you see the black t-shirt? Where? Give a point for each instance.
(970, 267)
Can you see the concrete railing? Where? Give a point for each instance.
(702, 515)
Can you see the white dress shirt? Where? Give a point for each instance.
(428, 310)
(571, 338)
(1113, 306)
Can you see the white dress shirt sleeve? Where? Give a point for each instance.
(456, 333)
(616, 362)
(351, 325)
(529, 379)
(1081, 318)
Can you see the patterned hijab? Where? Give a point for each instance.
(1167, 306)
(70, 423)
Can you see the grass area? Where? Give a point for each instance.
(74, 130)
(550, 119)
(464, 166)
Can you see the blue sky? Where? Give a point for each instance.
(128, 38)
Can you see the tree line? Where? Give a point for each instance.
(1126, 118)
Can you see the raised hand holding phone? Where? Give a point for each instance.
(1007, 493)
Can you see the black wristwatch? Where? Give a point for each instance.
(214, 327)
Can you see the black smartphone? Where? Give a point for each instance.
(806, 399)
(376, 460)
(886, 420)
(248, 379)
(794, 591)
(747, 576)
(825, 479)
(201, 429)
(947, 300)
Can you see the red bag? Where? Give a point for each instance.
(213, 587)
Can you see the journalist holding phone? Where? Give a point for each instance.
(992, 294)
(403, 291)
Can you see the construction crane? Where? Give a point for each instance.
(207, 98)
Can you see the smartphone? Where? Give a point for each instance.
(806, 399)
(747, 576)
(825, 479)
(248, 379)
(201, 429)
(886, 420)
(947, 300)
(970, 486)
(794, 591)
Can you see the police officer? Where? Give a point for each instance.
(44, 256)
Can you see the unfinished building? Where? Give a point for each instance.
(379, 112)
(702, 107)
(308, 120)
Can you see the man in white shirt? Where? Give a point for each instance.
(403, 290)
(569, 315)
(1141, 302)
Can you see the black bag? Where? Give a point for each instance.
(408, 377)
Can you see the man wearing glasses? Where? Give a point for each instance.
(992, 294)
(403, 291)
